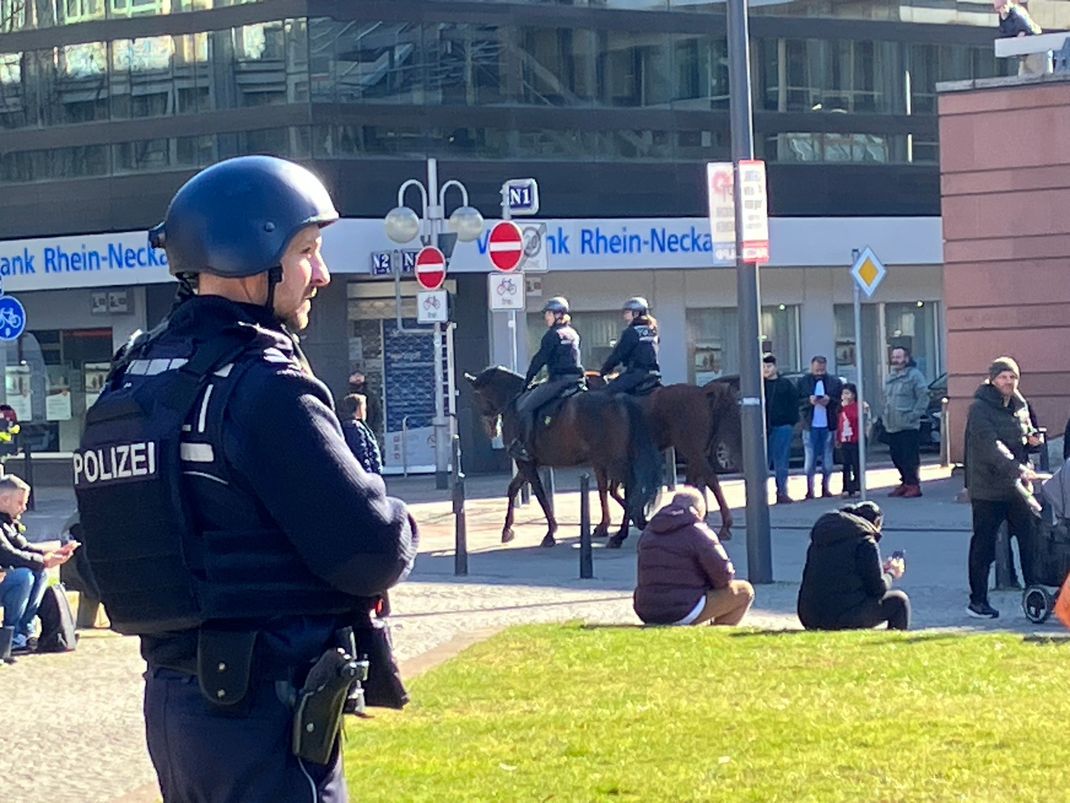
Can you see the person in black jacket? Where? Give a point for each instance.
(25, 580)
(781, 415)
(636, 350)
(845, 586)
(559, 353)
(998, 435)
(353, 412)
(819, 397)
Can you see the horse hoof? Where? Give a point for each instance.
(600, 532)
(724, 534)
(548, 541)
(615, 542)
(507, 536)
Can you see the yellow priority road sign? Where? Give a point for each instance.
(868, 271)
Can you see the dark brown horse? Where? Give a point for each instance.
(607, 433)
(701, 423)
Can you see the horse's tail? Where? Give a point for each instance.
(644, 462)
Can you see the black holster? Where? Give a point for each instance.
(371, 632)
(320, 702)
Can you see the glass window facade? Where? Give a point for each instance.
(713, 340)
(865, 99)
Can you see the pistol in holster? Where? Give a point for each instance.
(319, 704)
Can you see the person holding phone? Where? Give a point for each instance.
(819, 397)
(845, 584)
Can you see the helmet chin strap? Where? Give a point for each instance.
(274, 278)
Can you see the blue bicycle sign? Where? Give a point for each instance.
(12, 318)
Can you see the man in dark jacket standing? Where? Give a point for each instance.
(998, 434)
(819, 396)
(781, 415)
(845, 586)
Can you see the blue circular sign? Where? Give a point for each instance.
(12, 318)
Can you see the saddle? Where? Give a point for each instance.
(548, 412)
(646, 387)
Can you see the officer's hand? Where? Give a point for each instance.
(1028, 475)
(55, 559)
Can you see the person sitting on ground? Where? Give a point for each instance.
(685, 575)
(25, 564)
(844, 584)
(353, 412)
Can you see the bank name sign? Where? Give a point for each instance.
(95, 260)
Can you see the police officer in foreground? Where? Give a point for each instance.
(559, 352)
(636, 350)
(225, 520)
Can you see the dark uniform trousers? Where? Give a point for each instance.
(988, 517)
(629, 381)
(204, 756)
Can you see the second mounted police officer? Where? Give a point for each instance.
(559, 352)
(237, 556)
(636, 350)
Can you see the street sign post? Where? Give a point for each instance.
(430, 268)
(432, 306)
(868, 272)
(505, 246)
(506, 292)
(521, 195)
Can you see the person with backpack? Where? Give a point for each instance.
(25, 578)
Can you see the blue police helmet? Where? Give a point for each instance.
(638, 305)
(237, 217)
(557, 305)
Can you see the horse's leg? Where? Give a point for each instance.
(714, 484)
(617, 540)
(544, 502)
(514, 487)
(602, 530)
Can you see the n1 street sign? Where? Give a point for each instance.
(12, 318)
(868, 272)
(506, 291)
(521, 196)
(432, 306)
(430, 268)
(505, 245)
(722, 210)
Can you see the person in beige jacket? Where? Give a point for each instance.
(685, 575)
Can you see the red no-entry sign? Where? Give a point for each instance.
(430, 268)
(506, 245)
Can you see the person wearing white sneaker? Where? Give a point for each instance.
(998, 433)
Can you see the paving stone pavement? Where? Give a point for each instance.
(84, 708)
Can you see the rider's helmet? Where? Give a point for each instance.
(558, 305)
(637, 304)
(236, 218)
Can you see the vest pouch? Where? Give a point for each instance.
(136, 532)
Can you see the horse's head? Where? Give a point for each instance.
(494, 389)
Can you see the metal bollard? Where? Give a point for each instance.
(1006, 578)
(586, 554)
(945, 433)
(28, 469)
(460, 523)
(548, 486)
(670, 468)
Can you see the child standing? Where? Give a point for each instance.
(847, 440)
(358, 435)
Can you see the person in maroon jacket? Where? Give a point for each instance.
(685, 575)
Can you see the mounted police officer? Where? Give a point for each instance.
(225, 521)
(559, 352)
(636, 351)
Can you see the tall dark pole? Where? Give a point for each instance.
(755, 466)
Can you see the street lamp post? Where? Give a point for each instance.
(403, 225)
(755, 467)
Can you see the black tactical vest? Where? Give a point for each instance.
(154, 569)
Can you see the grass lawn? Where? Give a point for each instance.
(555, 712)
